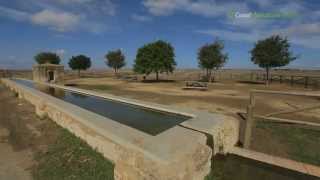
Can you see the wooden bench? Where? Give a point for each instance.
(129, 78)
(196, 85)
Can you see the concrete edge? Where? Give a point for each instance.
(278, 161)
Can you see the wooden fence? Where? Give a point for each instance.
(250, 117)
(307, 81)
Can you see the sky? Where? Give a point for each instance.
(94, 27)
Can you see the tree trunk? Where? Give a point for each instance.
(212, 76)
(208, 74)
(78, 72)
(267, 78)
(157, 76)
(115, 71)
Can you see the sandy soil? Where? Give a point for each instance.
(222, 97)
(22, 135)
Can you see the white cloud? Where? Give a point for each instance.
(212, 9)
(309, 29)
(163, 7)
(141, 18)
(63, 15)
(73, 1)
(12, 57)
(232, 36)
(13, 14)
(61, 52)
(59, 21)
(89, 7)
(307, 35)
(262, 3)
(208, 8)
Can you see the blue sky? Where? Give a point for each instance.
(93, 27)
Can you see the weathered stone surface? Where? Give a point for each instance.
(48, 73)
(177, 153)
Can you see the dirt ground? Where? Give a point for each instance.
(22, 134)
(226, 97)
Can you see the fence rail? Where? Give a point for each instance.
(307, 81)
(250, 117)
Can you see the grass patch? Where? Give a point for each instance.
(71, 158)
(302, 142)
(232, 167)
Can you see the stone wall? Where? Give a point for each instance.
(41, 72)
(177, 154)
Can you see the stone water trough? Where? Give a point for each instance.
(180, 151)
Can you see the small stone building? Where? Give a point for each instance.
(51, 73)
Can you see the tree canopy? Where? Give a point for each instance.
(47, 57)
(272, 52)
(80, 62)
(115, 59)
(210, 57)
(157, 57)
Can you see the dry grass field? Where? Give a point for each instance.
(223, 96)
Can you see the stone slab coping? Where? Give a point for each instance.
(278, 161)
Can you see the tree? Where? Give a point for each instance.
(47, 57)
(80, 62)
(157, 57)
(115, 59)
(272, 52)
(210, 57)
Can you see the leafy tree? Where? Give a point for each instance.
(272, 52)
(47, 57)
(80, 62)
(211, 57)
(115, 60)
(157, 57)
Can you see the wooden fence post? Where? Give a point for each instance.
(306, 82)
(248, 127)
(316, 84)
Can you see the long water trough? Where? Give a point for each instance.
(144, 140)
(147, 120)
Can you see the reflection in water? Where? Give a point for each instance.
(50, 90)
(82, 96)
(146, 120)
